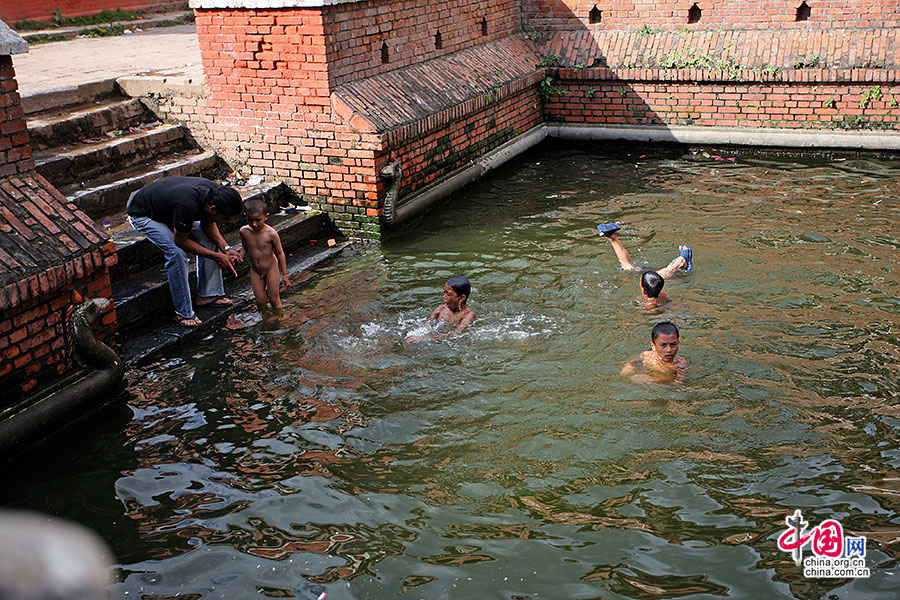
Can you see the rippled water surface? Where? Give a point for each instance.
(319, 453)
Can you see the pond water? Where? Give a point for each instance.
(318, 452)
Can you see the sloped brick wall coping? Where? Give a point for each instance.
(267, 3)
(438, 90)
(733, 78)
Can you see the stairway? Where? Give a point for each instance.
(97, 146)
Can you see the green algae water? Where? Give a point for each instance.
(318, 452)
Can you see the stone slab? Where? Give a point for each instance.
(11, 42)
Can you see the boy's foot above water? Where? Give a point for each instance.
(607, 229)
(686, 256)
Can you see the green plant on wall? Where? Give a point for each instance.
(693, 58)
(589, 92)
(873, 93)
(547, 88)
(549, 60)
(807, 62)
(829, 103)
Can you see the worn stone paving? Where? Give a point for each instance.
(60, 65)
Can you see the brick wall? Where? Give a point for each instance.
(43, 10)
(541, 15)
(272, 73)
(48, 250)
(268, 108)
(34, 343)
(802, 99)
(355, 33)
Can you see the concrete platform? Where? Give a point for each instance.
(60, 66)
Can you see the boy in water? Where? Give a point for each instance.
(453, 310)
(261, 243)
(661, 362)
(651, 281)
(652, 288)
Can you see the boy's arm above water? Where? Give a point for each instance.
(243, 232)
(629, 367)
(282, 261)
(675, 372)
(681, 368)
(464, 322)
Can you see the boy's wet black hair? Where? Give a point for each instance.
(256, 206)
(664, 328)
(652, 283)
(227, 200)
(460, 284)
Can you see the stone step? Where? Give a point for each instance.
(137, 254)
(71, 96)
(144, 296)
(107, 194)
(62, 127)
(141, 345)
(72, 165)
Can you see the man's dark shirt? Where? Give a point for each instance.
(173, 201)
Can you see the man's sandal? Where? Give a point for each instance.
(188, 321)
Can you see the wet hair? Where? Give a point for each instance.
(227, 200)
(256, 206)
(460, 284)
(652, 283)
(664, 328)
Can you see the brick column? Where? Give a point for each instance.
(51, 254)
(269, 111)
(15, 150)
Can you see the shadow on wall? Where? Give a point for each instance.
(577, 86)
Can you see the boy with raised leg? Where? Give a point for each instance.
(651, 281)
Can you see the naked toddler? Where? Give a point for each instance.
(268, 267)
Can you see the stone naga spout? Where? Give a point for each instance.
(393, 173)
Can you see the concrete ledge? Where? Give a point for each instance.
(68, 96)
(187, 82)
(720, 136)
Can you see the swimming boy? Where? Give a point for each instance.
(651, 288)
(453, 310)
(261, 243)
(661, 363)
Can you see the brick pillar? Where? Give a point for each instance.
(15, 149)
(269, 69)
